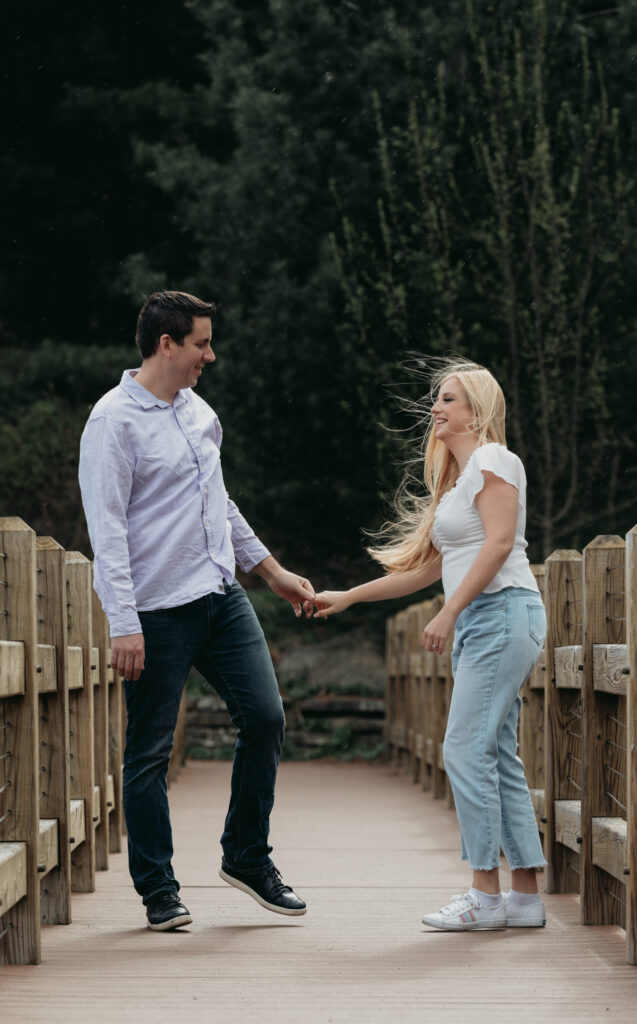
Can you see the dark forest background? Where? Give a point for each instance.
(351, 183)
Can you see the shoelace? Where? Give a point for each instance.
(278, 884)
(459, 903)
(163, 899)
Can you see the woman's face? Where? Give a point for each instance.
(451, 412)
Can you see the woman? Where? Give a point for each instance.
(470, 531)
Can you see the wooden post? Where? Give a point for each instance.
(100, 709)
(400, 708)
(413, 693)
(82, 740)
(604, 623)
(19, 803)
(115, 754)
(417, 683)
(389, 687)
(426, 658)
(562, 714)
(531, 727)
(437, 705)
(631, 743)
(54, 728)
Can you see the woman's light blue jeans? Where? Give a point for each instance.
(498, 640)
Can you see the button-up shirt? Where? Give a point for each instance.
(163, 529)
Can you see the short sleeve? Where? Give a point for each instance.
(496, 459)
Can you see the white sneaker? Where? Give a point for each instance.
(533, 915)
(466, 914)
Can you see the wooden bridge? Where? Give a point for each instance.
(370, 853)
(365, 846)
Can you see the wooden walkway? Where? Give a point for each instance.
(370, 853)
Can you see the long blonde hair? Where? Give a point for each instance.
(405, 542)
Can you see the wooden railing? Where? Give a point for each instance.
(578, 724)
(61, 738)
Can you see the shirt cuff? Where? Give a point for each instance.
(124, 625)
(252, 555)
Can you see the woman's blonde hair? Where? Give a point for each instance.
(405, 543)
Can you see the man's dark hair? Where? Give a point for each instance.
(168, 313)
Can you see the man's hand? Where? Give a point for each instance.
(295, 589)
(127, 655)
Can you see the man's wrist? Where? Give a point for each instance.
(268, 569)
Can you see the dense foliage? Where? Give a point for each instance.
(350, 183)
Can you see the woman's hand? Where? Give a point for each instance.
(329, 602)
(436, 633)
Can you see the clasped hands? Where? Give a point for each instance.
(434, 636)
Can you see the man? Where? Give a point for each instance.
(165, 537)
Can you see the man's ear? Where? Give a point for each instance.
(165, 342)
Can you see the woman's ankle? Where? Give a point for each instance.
(524, 880)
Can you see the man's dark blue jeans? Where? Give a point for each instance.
(220, 635)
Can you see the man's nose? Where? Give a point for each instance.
(209, 356)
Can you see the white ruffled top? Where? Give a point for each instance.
(458, 533)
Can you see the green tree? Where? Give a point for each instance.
(505, 231)
(283, 146)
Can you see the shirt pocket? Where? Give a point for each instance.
(168, 463)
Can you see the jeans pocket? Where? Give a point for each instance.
(537, 623)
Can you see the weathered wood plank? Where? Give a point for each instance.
(11, 668)
(604, 560)
(110, 794)
(531, 728)
(19, 820)
(438, 710)
(115, 759)
(75, 668)
(13, 875)
(101, 643)
(48, 845)
(96, 818)
(563, 714)
(537, 679)
(537, 799)
(81, 714)
(609, 661)
(609, 846)
(568, 817)
(46, 668)
(568, 667)
(77, 822)
(55, 896)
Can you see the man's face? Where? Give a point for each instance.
(189, 359)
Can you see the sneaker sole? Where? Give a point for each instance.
(526, 924)
(174, 922)
(255, 896)
(474, 926)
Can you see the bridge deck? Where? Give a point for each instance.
(370, 853)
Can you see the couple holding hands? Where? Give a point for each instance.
(166, 538)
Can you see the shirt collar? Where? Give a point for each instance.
(146, 398)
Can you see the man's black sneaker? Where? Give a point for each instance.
(267, 888)
(165, 910)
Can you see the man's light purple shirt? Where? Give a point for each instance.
(163, 529)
